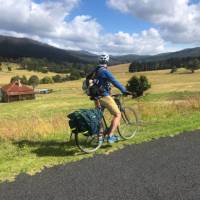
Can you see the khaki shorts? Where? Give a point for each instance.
(109, 103)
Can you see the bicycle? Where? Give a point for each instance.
(128, 128)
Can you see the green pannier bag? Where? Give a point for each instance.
(85, 120)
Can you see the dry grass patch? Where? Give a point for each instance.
(32, 127)
(166, 109)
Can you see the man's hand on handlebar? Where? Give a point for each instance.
(127, 93)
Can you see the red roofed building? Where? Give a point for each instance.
(16, 92)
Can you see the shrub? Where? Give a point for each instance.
(24, 80)
(144, 83)
(57, 78)
(44, 70)
(138, 85)
(46, 80)
(9, 69)
(14, 78)
(173, 70)
(75, 75)
(67, 77)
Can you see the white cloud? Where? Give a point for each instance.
(178, 20)
(49, 22)
(146, 42)
(29, 17)
(152, 10)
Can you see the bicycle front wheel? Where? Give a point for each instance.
(129, 123)
(87, 143)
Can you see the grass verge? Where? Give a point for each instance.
(33, 155)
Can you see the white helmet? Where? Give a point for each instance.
(104, 59)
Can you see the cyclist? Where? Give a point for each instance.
(105, 78)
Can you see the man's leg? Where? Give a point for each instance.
(109, 103)
(114, 124)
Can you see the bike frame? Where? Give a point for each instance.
(117, 99)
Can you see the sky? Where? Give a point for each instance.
(111, 26)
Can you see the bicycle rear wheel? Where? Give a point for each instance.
(129, 123)
(89, 143)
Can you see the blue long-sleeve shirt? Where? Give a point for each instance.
(104, 78)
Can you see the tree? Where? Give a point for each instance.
(33, 81)
(138, 85)
(87, 69)
(46, 80)
(193, 65)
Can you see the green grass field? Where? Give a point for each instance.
(34, 134)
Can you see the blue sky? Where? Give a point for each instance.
(111, 20)
(112, 26)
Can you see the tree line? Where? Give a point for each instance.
(34, 80)
(192, 64)
(44, 65)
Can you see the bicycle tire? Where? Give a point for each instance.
(83, 141)
(129, 123)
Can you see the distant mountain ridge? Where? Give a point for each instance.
(11, 47)
(191, 52)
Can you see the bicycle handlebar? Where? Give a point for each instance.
(120, 95)
(116, 95)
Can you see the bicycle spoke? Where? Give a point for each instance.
(87, 144)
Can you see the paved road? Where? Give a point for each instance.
(164, 169)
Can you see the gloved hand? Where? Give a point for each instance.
(126, 93)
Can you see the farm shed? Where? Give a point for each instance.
(16, 92)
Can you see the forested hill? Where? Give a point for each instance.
(187, 58)
(11, 47)
(186, 53)
(14, 48)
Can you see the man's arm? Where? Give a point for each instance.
(114, 81)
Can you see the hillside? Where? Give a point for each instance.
(11, 47)
(192, 52)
